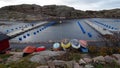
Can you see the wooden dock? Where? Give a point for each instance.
(99, 29)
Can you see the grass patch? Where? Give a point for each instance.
(109, 65)
(4, 56)
(97, 51)
(70, 56)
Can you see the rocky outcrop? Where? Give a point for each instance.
(27, 12)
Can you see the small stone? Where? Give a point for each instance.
(87, 60)
(89, 66)
(43, 67)
(81, 61)
(99, 59)
(109, 59)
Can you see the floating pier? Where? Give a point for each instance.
(21, 31)
(99, 29)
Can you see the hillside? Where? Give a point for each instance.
(27, 12)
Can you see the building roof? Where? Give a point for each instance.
(3, 36)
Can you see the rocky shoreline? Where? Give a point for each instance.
(33, 12)
(48, 59)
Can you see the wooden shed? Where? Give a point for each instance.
(4, 42)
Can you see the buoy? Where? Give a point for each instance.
(12, 29)
(40, 29)
(20, 39)
(112, 28)
(37, 31)
(24, 36)
(7, 30)
(28, 34)
(89, 34)
(34, 33)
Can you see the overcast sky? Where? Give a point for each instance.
(77, 4)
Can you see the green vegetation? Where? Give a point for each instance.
(4, 56)
(97, 51)
(72, 55)
(111, 65)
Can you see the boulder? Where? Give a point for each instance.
(117, 56)
(38, 59)
(44, 56)
(50, 53)
(99, 59)
(109, 59)
(87, 60)
(59, 63)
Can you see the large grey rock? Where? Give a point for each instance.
(44, 56)
(109, 59)
(39, 59)
(59, 63)
(99, 59)
(117, 56)
(50, 53)
(87, 60)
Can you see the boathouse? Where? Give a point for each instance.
(4, 42)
